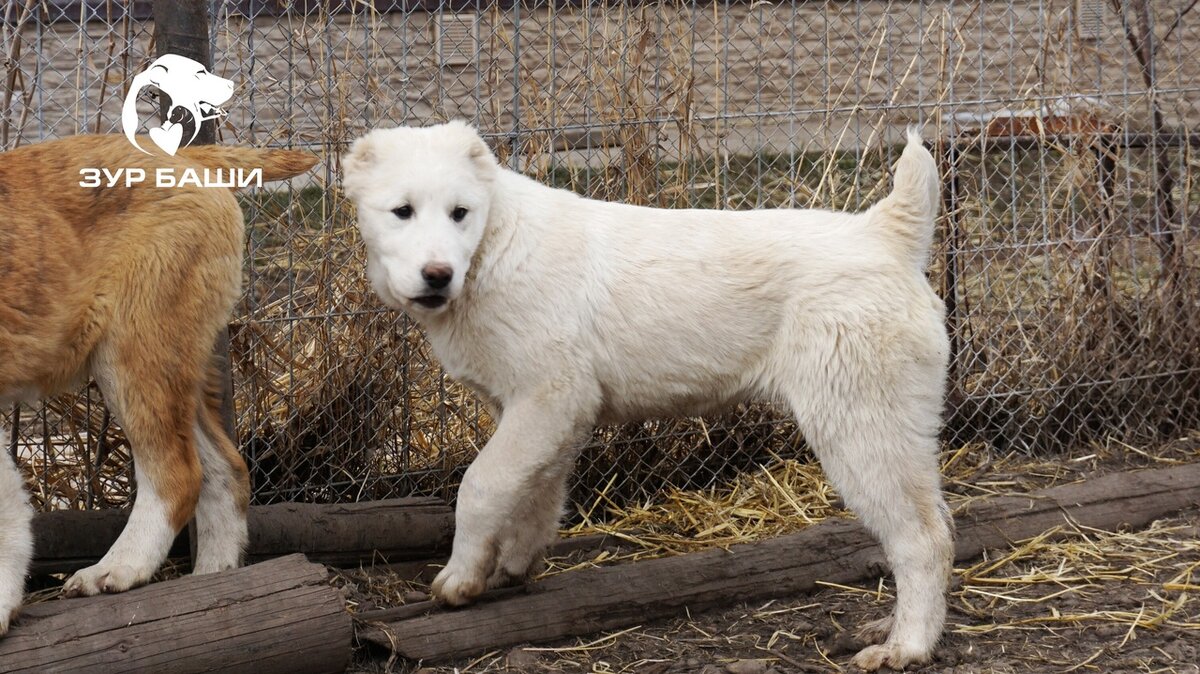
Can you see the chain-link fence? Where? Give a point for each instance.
(1067, 253)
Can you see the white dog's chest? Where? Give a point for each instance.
(472, 372)
(479, 388)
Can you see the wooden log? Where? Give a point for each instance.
(352, 533)
(839, 551)
(393, 530)
(278, 616)
(425, 570)
(67, 540)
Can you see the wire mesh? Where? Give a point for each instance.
(1067, 250)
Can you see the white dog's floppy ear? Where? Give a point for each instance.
(477, 150)
(356, 161)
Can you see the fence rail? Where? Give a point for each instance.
(1067, 251)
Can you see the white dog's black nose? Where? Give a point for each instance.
(437, 274)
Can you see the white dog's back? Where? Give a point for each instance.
(697, 298)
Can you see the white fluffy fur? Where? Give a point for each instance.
(16, 535)
(566, 312)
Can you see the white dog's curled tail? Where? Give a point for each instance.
(906, 215)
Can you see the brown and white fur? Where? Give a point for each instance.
(565, 312)
(129, 286)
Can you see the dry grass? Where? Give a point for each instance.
(1076, 561)
(789, 495)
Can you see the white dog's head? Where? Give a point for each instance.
(422, 196)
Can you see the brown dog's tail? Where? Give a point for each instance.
(275, 164)
(231, 468)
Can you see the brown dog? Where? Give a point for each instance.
(128, 284)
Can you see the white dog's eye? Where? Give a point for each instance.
(404, 212)
(458, 214)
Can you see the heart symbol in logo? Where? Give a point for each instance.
(168, 137)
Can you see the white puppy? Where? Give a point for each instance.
(564, 312)
(16, 535)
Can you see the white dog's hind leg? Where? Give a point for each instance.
(874, 433)
(511, 498)
(891, 483)
(16, 536)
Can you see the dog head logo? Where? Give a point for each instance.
(190, 87)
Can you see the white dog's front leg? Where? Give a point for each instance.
(16, 537)
(511, 498)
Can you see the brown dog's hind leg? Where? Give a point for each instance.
(225, 492)
(153, 388)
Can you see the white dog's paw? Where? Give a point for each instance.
(104, 577)
(516, 572)
(458, 586)
(518, 558)
(876, 631)
(522, 555)
(891, 655)
(10, 601)
(7, 616)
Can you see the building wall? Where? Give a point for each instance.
(771, 75)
